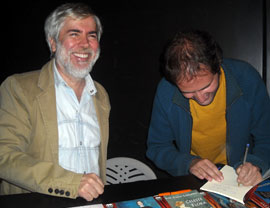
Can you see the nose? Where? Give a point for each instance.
(201, 97)
(84, 42)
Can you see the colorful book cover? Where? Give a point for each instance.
(192, 199)
(90, 206)
(147, 202)
(226, 202)
(162, 201)
(260, 194)
(210, 200)
(110, 205)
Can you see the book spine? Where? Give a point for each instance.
(210, 200)
(162, 201)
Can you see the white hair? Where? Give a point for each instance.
(56, 19)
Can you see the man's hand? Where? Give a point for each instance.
(205, 169)
(90, 187)
(248, 174)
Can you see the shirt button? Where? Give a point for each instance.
(56, 191)
(67, 193)
(50, 190)
(62, 192)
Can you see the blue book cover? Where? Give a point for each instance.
(147, 202)
(263, 190)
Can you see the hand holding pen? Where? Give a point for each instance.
(245, 158)
(248, 174)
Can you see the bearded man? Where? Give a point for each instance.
(54, 121)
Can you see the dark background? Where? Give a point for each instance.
(135, 33)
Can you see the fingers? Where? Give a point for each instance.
(205, 169)
(91, 186)
(248, 174)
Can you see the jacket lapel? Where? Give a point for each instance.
(47, 103)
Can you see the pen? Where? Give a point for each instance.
(245, 157)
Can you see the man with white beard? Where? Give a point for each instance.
(54, 121)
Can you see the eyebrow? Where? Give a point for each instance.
(199, 89)
(79, 31)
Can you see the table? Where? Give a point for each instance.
(112, 193)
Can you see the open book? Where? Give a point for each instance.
(229, 186)
(259, 194)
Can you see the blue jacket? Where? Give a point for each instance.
(247, 116)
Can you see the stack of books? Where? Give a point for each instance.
(180, 199)
(225, 194)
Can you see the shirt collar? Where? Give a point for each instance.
(89, 82)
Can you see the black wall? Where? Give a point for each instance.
(135, 33)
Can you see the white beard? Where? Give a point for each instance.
(63, 57)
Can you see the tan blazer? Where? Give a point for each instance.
(29, 136)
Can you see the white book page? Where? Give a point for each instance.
(229, 186)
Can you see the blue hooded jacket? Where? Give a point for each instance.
(247, 117)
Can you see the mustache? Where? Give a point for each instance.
(90, 51)
(86, 50)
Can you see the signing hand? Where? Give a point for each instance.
(205, 169)
(90, 187)
(248, 174)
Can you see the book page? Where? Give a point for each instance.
(229, 186)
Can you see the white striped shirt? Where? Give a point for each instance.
(78, 128)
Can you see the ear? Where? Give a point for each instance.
(53, 45)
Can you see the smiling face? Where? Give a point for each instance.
(77, 48)
(202, 88)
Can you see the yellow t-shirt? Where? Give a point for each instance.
(209, 126)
